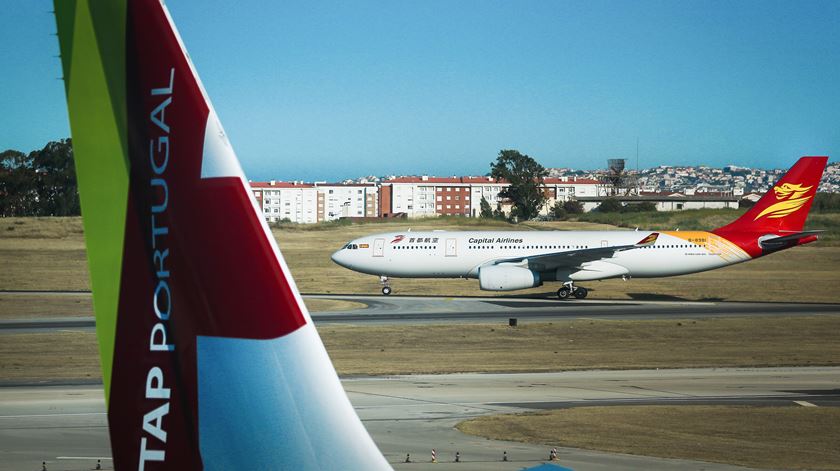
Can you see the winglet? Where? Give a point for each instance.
(647, 241)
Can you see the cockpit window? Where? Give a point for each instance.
(351, 246)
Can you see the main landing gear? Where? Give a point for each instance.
(569, 289)
(386, 285)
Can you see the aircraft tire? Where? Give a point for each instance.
(581, 293)
(386, 290)
(563, 293)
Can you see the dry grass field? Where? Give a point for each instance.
(48, 254)
(36, 305)
(530, 347)
(54, 357)
(762, 437)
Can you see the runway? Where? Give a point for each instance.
(418, 309)
(413, 309)
(66, 425)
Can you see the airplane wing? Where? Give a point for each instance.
(573, 259)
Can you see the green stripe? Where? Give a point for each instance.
(96, 103)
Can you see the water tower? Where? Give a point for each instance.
(615, 181)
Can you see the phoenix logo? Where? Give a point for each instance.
(398, 238)
(649, 240)
(791, 197)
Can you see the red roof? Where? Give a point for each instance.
(449, 180)
(280, 185)
(487, 180)
(371, 184)
(578, 181)
(468, 180)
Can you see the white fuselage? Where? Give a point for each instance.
(443, 254)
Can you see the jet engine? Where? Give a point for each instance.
(507, 278)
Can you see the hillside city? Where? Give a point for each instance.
(668, 188)
(689, 180)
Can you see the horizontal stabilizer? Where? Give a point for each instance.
(770, 243)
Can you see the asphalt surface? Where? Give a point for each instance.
(396, 309)
(66, 425)
(413, 309)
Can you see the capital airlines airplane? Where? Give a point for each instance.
(507, 260)
(209, 356)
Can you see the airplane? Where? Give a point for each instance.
(514, 260)
(209, 356)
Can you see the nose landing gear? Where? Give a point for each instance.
(569, 289)
(386, 285)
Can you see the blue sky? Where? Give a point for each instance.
(324, 91)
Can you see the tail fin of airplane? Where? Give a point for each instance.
(785, 207)
(209, 356)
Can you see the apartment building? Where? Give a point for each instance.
(347, 200)
(432, 196)
(308, 203)
(293, 201)
(429, 196)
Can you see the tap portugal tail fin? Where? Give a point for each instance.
(209, 356)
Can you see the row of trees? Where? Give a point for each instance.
(41, 183)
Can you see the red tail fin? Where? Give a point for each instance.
(785, 207)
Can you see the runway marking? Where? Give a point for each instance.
(51, 415)
(805, 403)
(83, 458)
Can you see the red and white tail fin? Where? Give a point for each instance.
(209, 356)
(785, 207)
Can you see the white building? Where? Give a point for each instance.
(293, 201)
(352, 200)
(461, 196)
(424, 196)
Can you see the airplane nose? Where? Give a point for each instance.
(340, 257)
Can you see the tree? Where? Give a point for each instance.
(610, 205)
(558, 211)
(823, 202)
(486, 210)
(42, 183)
(56, 183)
(18, 196)
(645, 206)
(525, 178)
(573, 207)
